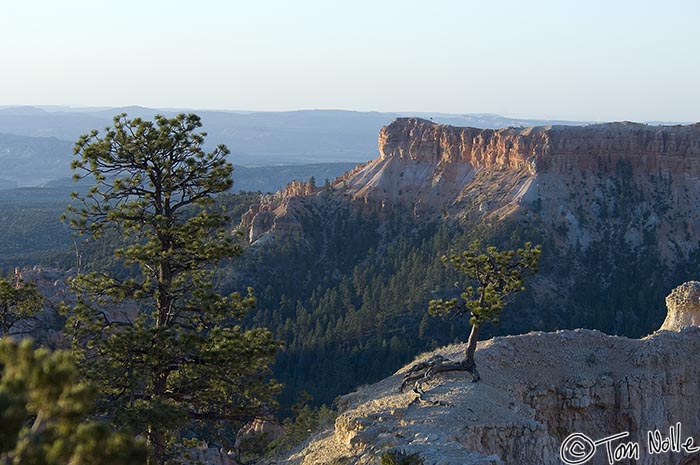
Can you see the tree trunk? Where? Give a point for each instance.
(469, 363)
(164, 301)
(156, 435)
(157, 440)
(424, 370)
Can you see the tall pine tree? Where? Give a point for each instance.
(182, 359)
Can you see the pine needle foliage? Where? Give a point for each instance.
(43, 410)
(176, 355)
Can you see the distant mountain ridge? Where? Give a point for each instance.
(26, 161)
(255, 138)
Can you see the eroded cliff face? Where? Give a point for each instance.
(417, 139)
(279, 213)
(54, 287)
(536, 390)
(420, 140)
(583, 184)
(442, 166)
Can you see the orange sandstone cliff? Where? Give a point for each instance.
(577, 180)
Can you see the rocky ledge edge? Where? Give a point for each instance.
(536, 390)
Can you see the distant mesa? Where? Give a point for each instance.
(574, 178)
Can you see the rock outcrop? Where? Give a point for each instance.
(643, 181)
(279, 213)
(537, 389)
(683, 305)
(438, 166)
(257, 431)
(54, 287)
(421, 140)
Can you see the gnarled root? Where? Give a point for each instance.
(423, 371)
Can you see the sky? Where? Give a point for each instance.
(593, 60)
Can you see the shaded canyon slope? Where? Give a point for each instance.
(614, 205)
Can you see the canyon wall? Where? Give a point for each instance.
(583, 184)
(438, 163)
(421, 140)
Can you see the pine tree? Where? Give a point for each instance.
(43, 406)
(488, 278)
(19, 303)
(183, 359)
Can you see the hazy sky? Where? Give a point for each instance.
(593, 60)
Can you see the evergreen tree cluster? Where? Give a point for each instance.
(355, 323)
